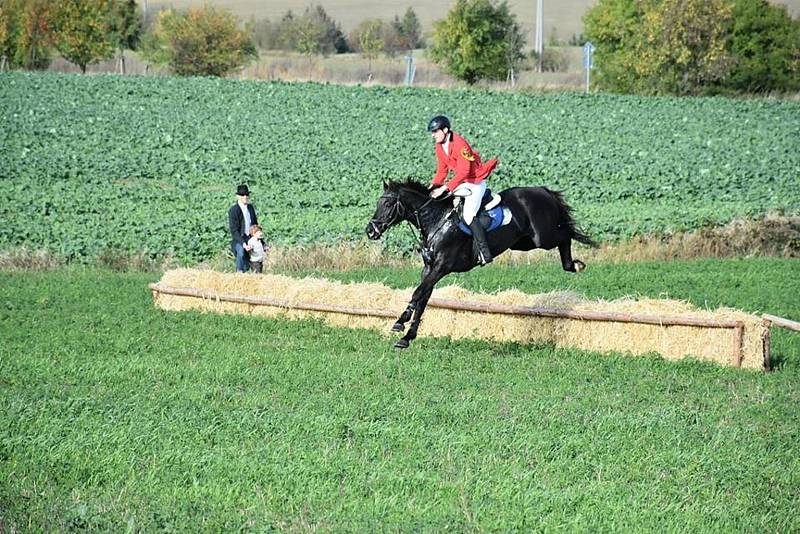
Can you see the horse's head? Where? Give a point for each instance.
(400, 201)
(390, 211)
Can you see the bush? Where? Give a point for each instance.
(694, 46)
(478, 39)
(553, 60)
(765, 45)
(200, 42)
(667, 46)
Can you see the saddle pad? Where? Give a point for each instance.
(499, 216)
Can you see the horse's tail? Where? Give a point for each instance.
(567, 220)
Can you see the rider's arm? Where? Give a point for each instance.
(441, 170)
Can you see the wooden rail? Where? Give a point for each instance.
(614, 317)
(266, 301)
(770, 320)
(479, 307)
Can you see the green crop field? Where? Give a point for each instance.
(116, 416)
(129, 164)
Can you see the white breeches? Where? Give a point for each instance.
(471, 194)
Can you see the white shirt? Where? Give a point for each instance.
(247, 221)
(446, 146)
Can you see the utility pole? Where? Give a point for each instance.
(537, 36)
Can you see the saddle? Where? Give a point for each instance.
(491, 216)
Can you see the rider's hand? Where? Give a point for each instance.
(439, 191)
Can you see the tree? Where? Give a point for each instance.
(286, 35)
(369, 36)
(683, 49)
(765, 46)
(5, 36)
(125, 26)
(199, 42)
(314, 32)
(81, 31)
(473, 41)
(614, 27)
(513, 46)
(28, 33)
(308, 35)
(694, 46)
(331, 38)
(409, 30)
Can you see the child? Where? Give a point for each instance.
(257, 248)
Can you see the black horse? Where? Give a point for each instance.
(540, 219)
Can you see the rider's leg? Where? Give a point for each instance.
(479, 237)
(472, 203)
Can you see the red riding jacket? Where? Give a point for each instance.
(465, 162)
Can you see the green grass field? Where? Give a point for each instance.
(116, 416)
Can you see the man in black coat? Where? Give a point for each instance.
(241, 216)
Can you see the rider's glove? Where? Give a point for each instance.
(439, 191)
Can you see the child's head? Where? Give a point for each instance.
(256, 231)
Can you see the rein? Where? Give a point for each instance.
(399, 211)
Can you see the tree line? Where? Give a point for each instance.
(689, 47)
(315, 32)
(82, 31)
(642, 46)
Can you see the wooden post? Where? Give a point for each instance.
(765, 344)
(738, 337)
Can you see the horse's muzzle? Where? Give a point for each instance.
(373, 230)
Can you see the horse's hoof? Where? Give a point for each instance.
(579, 266)
(401, 344)
(398, 327)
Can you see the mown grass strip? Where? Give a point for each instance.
(114, 415)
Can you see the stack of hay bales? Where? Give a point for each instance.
(376, 306)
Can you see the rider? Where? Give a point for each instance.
(453, 153)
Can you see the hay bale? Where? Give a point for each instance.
(672, 342)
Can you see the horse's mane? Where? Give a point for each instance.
(409, 183)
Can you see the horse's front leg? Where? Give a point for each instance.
(400, 324)
(421, 296)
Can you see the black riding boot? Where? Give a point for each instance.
(479, 238)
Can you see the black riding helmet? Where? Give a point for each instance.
(439, 122)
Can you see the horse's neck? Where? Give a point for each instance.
(423, 214)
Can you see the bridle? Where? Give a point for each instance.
(398, 212)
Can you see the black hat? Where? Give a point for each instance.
(439, 122)
(242, 190)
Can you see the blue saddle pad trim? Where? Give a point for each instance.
(496, 213)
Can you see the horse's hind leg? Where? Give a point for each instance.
(565, 251)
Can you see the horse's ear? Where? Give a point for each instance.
(385, 185)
